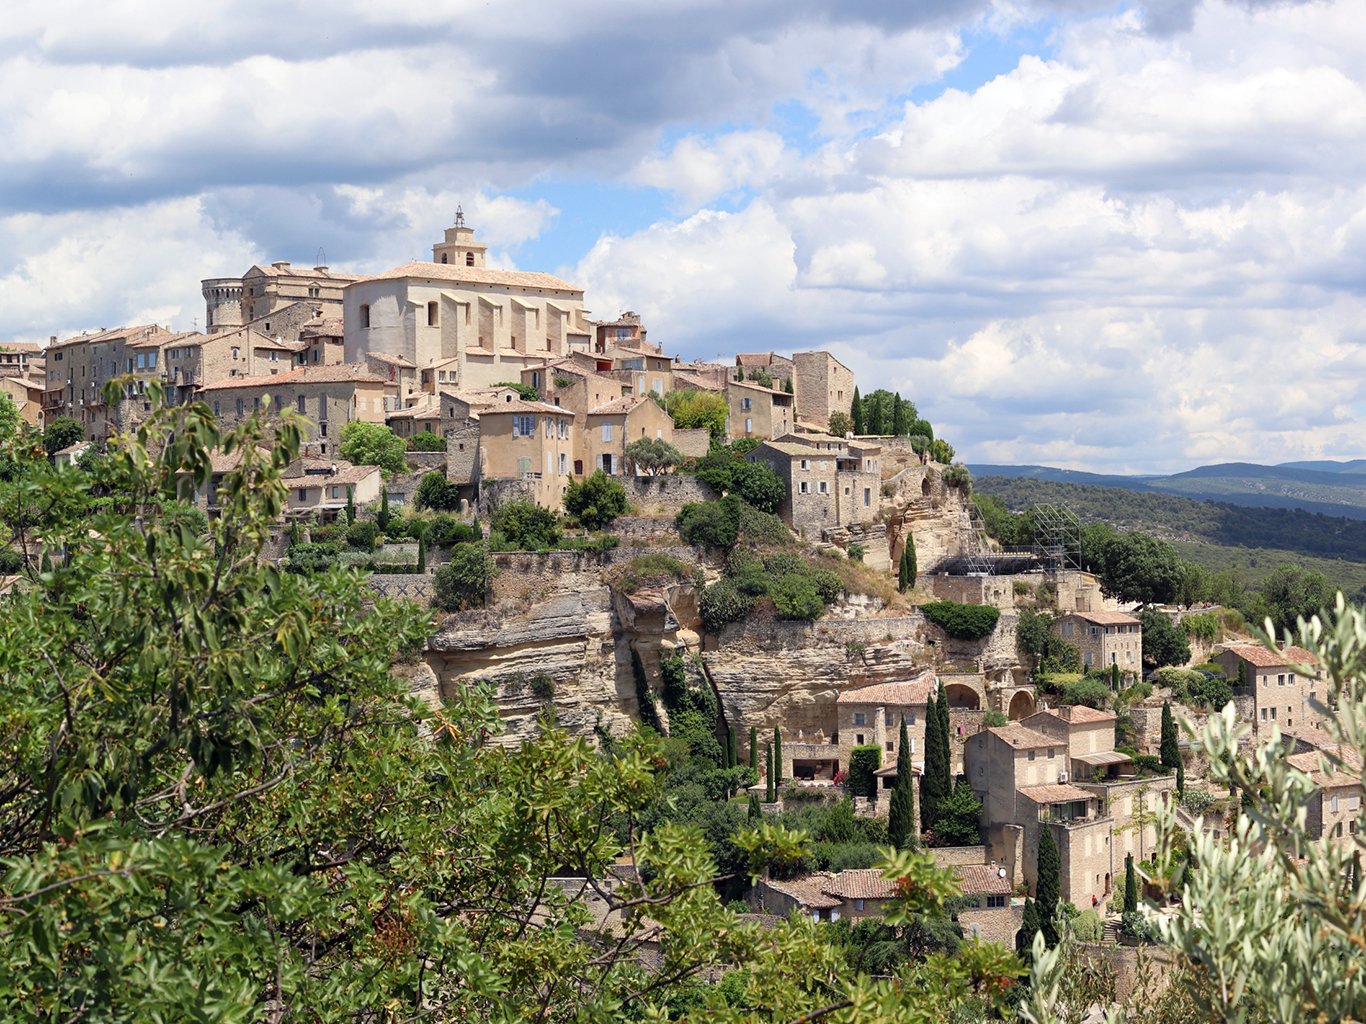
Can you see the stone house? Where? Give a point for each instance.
(78, 368)
(612, 426)
(1282, 696)
(27, 396)
(322, 486)
(829, 483)
(1089, 738)
(1333, 811)
(328, 397)
(626, 330)
(1103, 638)
(399, 372)
(990, 917)
(865, 715)
(643, 372)
(780, 368)
(822, 385)
(757, 411)
(322, 342)
(850, 895)
(491, 322)
(21, 359)
(530, 441)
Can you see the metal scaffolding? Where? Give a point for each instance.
(1057, 545)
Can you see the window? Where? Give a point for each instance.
(889, 746)
(1050, 753)
(564, 463)
(859, 719)
(431, 314)
(995, 902)
(867, 496)
(239, 407)
(443, 257)
(806, 464)
(235, 351)
(523, 426)
(1031, 755)
(303, 493)
(887, 719)
(1353, 801)
(1333, 804)
(749, 426)
(300, 403)
(1280, 679)
(564, 429)
(803, 488)
(746, 404)
(365, 314)
(1086, 658)
(336, 492)
(1263, 714)
(825, 487)
(1273, 714)
(322, 410)
(215, 408)
(469, 259)
(858, 738)
(607, 431)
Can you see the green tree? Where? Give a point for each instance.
(1164, 643)
(758, 485)
(755, 811)
(1140, 568)
(1291, 593)
(527, 524)
(840, 424)
(434, 491)
(381, 520)
(1029, 927)
(61, 433)
(731, 760)
(901, 828)
(787, 385)
(693, 409)
(934, 783)
(1130, 885)
(645, 697)
(714, 524)
(1242, 673)
(466, 580)
(373, 444)
(596, 501)
(864, 761)
(1169, 750)
(778, 754)
(856, 414)
(351, 507)
(771, 784)
(1048, 887)
(421, 556)
(652, 454)
(1032, 634)
(526, 391)
(941, 451)
(754, 750)
(960, 817)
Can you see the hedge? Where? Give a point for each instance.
(962, 621)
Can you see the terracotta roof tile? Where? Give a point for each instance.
(807, 891)
(339, 373)
(1108, 618)
(900, 694)
(860, 884)
(753, 358)
(522, 406)
(1058, 793)
(618, 406)
(475, 275)
(384, 357)
(1260, 656)
(982, 879)
(1021, 738)
(1081, 714)
(1339, 776)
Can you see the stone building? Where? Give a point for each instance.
(232, 302)
(492, 323)
(322, 486)
(626, 331)
(614, 425)
(79, 367)
(757, 411)
(21, 359)
(529, 441)
(990, 916)
(322, 342)
(1103, 638)
(27, 396)
(1282, 697)
(822, 385)
(328, 397)
(830, 482)
(1333, 810)
(779, 368)
(399, 372)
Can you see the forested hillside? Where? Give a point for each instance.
(1184, 519)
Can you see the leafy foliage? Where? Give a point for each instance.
(1048, 886)
(434, 491)
(426, 441)
(1163, 642)
(596, 501)
(526, 391)
(373, 444)
(61, 433)
(527, 525)
(713, 524)
(840, 424)
(962, 621)
(863, 762)
(466, 580)
(1090, 691)
(693, 409)
(652, 454)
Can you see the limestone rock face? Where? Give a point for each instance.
(928, 510)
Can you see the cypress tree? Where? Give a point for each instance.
(421, 556)
(903, 571)
(755, 811)
(1130, 885)
(46, 564)
(1047, 889)
(896, 414)
(754, 749)
(1242, 672)
(739, 373)
(901, 814)
(645, 698)
(770, 791)
(909, 555)
(946, 750)
(351, 506)
(730, 747)
(778, 755)
(857, 415)
(1114, 677)
(294, 531)
(1171, 753)
(933, 790)
(383, 509)
(1180, 777)
(1029, 927)
(787, 385)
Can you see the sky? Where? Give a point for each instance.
(1100, 236)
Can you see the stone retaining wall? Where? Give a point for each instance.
(409, 586)
(666, 495)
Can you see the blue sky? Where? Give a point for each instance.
(1077, 233)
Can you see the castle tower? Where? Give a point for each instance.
(222, 303)
(459, 248)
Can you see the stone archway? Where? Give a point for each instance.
(962, 698)
(1021, 705)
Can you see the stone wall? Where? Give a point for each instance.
(1136, 967)
(462, 454)
(411, 586)
(421, 463)
(493, 493)
(665, 495)
(954, 856)
(694, 442)
(995, 925)
(998, 591)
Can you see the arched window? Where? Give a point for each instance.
(469, 259)
(443, 257)
(364, 315)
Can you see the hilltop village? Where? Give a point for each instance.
(752, 543)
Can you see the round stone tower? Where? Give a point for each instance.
(222, 303)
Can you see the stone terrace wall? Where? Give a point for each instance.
(665, 495)
(1131, 964)
(410, 586)
(953, 856)
(527, 575)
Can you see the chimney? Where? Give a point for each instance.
(281, 264)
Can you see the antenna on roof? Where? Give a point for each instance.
(322, 258)
(459, 217)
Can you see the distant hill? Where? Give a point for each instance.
(1330, 488)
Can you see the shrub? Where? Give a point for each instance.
(434, 491)
(182, 513)
(362, 535)
(464, 581)
(1215, 694)
(1197, 801)
(449, 530)
(10, 562)
(656, 564)
(527, 392)
(542, 686)
(721, 604)
(1149, 763)
(828, 585)
(962, 621)
(758, 485)
(692, 409)
(856, 552)
(1087, 926)
(1204, 626)
(306, 559)
(714, 524)
(595, 501)
(762, 527)
(426, 441)
(795, 598)
(652, 454)
(528, 525)
(1089, 691)
(863, 762)
(994, 719)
